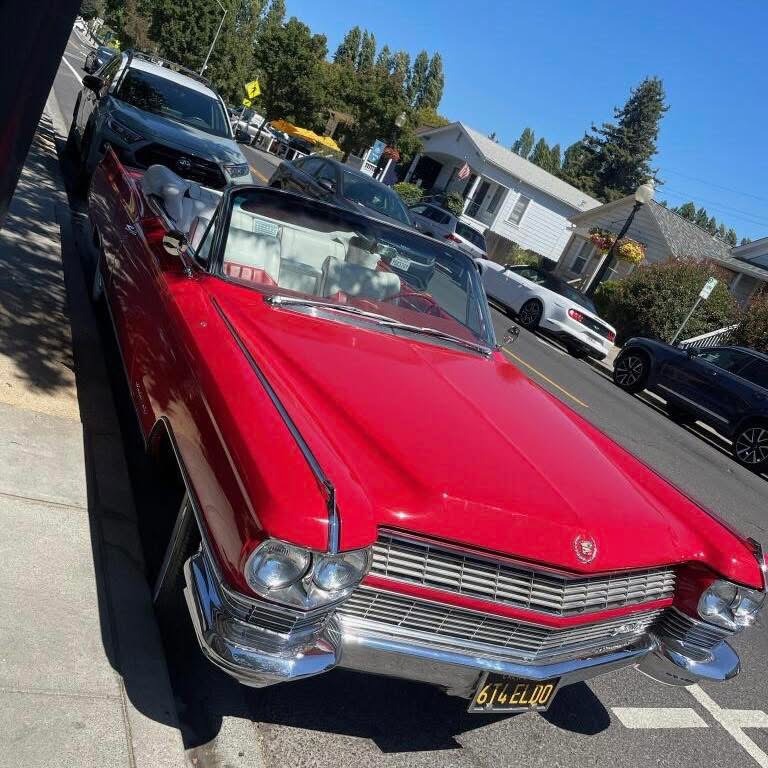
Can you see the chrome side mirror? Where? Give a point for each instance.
(511, 335)
(91, 65)
(175, 243)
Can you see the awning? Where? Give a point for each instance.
(305, 133)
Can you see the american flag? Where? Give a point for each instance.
(464, 172)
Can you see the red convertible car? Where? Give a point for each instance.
(369, 483)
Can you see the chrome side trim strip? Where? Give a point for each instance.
(314, 465)
(760, 555)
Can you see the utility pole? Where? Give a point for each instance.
(215, 38)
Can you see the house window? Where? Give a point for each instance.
(518, 209)
(583, 255)
(495, 200)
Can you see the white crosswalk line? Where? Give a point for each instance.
(659, 717)
(733, 720)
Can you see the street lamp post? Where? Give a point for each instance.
(215, 38)
(643, 195)
(397, 125)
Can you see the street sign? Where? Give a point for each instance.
(247, 103)
(709, 286)
(253, 89)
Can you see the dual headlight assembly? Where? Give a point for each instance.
(303, 578)
(730, 606)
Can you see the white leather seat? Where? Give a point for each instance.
(356, 280)
(253, 249)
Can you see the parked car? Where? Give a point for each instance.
(98, 57)
(724, 387)
(246, 124)
(150, 112)
(317, 410)
(331, 181)
(543, 300)
(437, 222)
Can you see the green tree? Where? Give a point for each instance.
(687, 211)
(745, 241)
(702, 218)
(620, 152)
(290, 58)
(401, 70)
(274, 17)
(90, 9)
(384, 61)
(541, 155)
(712, 225)
(722, 232)
(753, 328)
(434, 84)
(574, 167)
(554, 159)
(349, 48)
(415, 91)
(367, 53)
(731, 238)
(524, 144)
(136, 20)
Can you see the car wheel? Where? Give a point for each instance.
(750, 446)
(630, 371)
(530, 313)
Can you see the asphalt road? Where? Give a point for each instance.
(621, 720)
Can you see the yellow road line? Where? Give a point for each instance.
(546, 378)
(264, 178)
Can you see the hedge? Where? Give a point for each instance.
(753, 328)
(654, 300)
(410, 194)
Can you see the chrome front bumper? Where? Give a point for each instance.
(258, 657)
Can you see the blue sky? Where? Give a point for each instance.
(559, 66)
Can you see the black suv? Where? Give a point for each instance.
(725, 387)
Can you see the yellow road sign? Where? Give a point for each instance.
(253, 89)
(247, 103)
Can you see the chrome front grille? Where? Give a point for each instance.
(453, 628)
(449, 570)
(684, 629)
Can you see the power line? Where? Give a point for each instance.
(735, 213)
(716, 186)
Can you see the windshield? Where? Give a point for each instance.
(161, 96)
(281, 245)
(374, 195)
(577, 297)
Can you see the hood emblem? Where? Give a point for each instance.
(183, 164)
(585, 548)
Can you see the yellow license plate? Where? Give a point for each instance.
(499, 693)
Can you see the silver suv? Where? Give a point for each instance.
(437, 222)
(150, 112)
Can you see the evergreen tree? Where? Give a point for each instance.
(722, 232)
(524, 144)
(687, 211)
(401, 70)
(554, 159)
(574, 166)
(384, 61)
(349, 48)
(275, 16)
(418, 79)
(367, 53)
(135, 25)
(745, 241)
(731, 238)
(712, 226)
(434, 83)
(90, 9)
(702, 218)
(541, 155)
(620, 153)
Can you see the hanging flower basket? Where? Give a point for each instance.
(601, 239)
(391, 153)
(631, 251)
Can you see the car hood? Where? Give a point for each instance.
(178, 135)
(458, 447)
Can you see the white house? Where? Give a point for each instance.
(511, 197)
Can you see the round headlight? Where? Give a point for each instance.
(335, 573)
(730, 606)
(276, 565)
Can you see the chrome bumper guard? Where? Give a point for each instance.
(259, 657)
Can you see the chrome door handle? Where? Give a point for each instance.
(131, 230)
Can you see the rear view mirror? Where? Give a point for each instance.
(93, 83)
(175, 243)
(91, 65)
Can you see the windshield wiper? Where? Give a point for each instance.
(389, 322)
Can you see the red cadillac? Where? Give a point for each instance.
(370, 484)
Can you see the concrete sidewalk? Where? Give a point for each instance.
(83, 680)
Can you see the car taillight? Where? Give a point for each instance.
(576, 315)
(611, 336)
(450, 236)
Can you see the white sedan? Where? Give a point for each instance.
(542, 300)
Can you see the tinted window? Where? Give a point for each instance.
(173, 100)
(470, 234)
(756, 371)
(560, 286)
(441, 217)
(309, 164)
(529, 273)
(109, 70)
(727, 359)
(419, 209)
(326, 172)
(371, 194)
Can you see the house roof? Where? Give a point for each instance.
(523, 169)
(681, 237)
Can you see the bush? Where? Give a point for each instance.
(455, 203)
(753, 329)
(519, 255)
(606, 297)
(410, 194)
(655, 299)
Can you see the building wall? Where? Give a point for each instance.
(544, 227)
